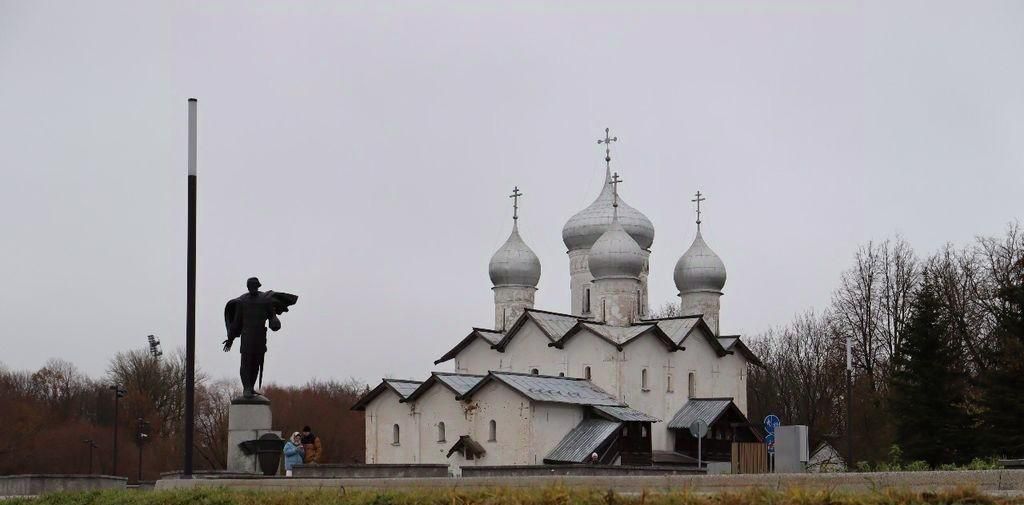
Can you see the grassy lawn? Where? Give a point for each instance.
(498, 496)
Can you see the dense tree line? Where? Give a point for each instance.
(937, 345)
(48, 414)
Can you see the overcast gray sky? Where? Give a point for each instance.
(360, 154)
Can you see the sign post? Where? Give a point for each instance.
(771, 421)
(698, 429)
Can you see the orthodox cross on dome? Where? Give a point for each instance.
(515, 203)
(615, 190)
(607, 141)
(699, 199)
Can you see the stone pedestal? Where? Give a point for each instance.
(247, 420)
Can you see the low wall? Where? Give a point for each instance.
(37, 484)
(369, 471)
(578, 470)
(983, 480)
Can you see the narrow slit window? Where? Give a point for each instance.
(586, 372)
(691, 385)
(440, 431)
(396, 435)
(643, 380)
(492, 431)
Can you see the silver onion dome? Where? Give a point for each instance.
(514, 263)
(699, 268)
(616, 254)
(583, 229)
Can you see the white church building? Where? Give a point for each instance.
(548, 388)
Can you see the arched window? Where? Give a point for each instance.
(535, 371)
(561, 374)
(440, 431)
(395, 435)
(643, 380)
(586, 372)
(668, 383)
(586, 301)
(492, 431)
(691, 385)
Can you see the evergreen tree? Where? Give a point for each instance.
(928, 386)
(1002, 383)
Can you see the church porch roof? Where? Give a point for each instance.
(627, 414)
(582, 441)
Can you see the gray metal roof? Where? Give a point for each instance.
(625, 413)
(555, 325)
(705, 409)
(404, 388)
(678, 329)
(492, 336)
(618, 334)
(543, 388)
(459, 382)
(582, 441)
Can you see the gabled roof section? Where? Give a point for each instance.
(549, 389)
(582, 441)
(468, 446)
(618, 336)
(626, 414)
(702, 409)
(733, 343)
(402, 388)
(457, 383)
(554, 325)
(680, 328)
(491, 337)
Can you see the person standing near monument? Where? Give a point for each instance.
(314, 448)
(293, 453)
(246, 317)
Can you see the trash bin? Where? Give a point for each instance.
(268, 450)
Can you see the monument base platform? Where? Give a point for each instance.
(246, 421)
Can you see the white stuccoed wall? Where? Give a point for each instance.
(550, 423)
(512, 414)
(381, 415)
(438, 404)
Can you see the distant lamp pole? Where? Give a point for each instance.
(849, 404)
(119, 393)
(154, 347)
(190, 294)
(141, 436)
(92, 445)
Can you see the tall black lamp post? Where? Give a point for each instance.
(190, 294)
(849, 405)
(119, 393)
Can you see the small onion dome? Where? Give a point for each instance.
(514, 264)
(699, 268)
(583, 229)
(616, 254)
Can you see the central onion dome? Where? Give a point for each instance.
(616, 254)
(514, 263)
(699, 268)
(583, 229)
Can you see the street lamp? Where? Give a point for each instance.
(119, 393)
(141, 437)
(92, 445)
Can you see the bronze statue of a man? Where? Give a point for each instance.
(246, 317)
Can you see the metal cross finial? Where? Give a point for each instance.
(515, 202)
(615, 189)
(698, 200)
(607, 141)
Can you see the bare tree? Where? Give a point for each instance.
(857, 304)
(900, 277)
